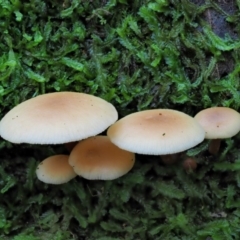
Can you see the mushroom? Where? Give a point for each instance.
(218, 123)
(98, 158)
(156, 132)
(56, 118)
(55, 170)
(170, 159)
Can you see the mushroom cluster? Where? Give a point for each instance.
(67, 117)
(75, 119)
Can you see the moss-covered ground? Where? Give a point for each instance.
(138, 54)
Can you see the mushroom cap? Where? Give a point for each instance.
(56, 118)
(55, 170)
(219, 122)
(156, 132)
(98, 158)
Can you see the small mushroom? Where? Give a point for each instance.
(98, 158)
(218, 123)
(55, 170)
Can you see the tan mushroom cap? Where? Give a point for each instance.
(156, 132)
(55, 170)
(219, 122)
(98, 158)
(56, 118)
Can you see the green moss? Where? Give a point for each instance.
(137, 55)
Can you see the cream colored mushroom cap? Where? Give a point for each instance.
(98, 158)
(219, 122)
(156, 132)
(56, 118)
(55, 170)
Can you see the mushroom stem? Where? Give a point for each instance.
(169, 158)
(189, 164)
(70, 145)
(214, 146)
